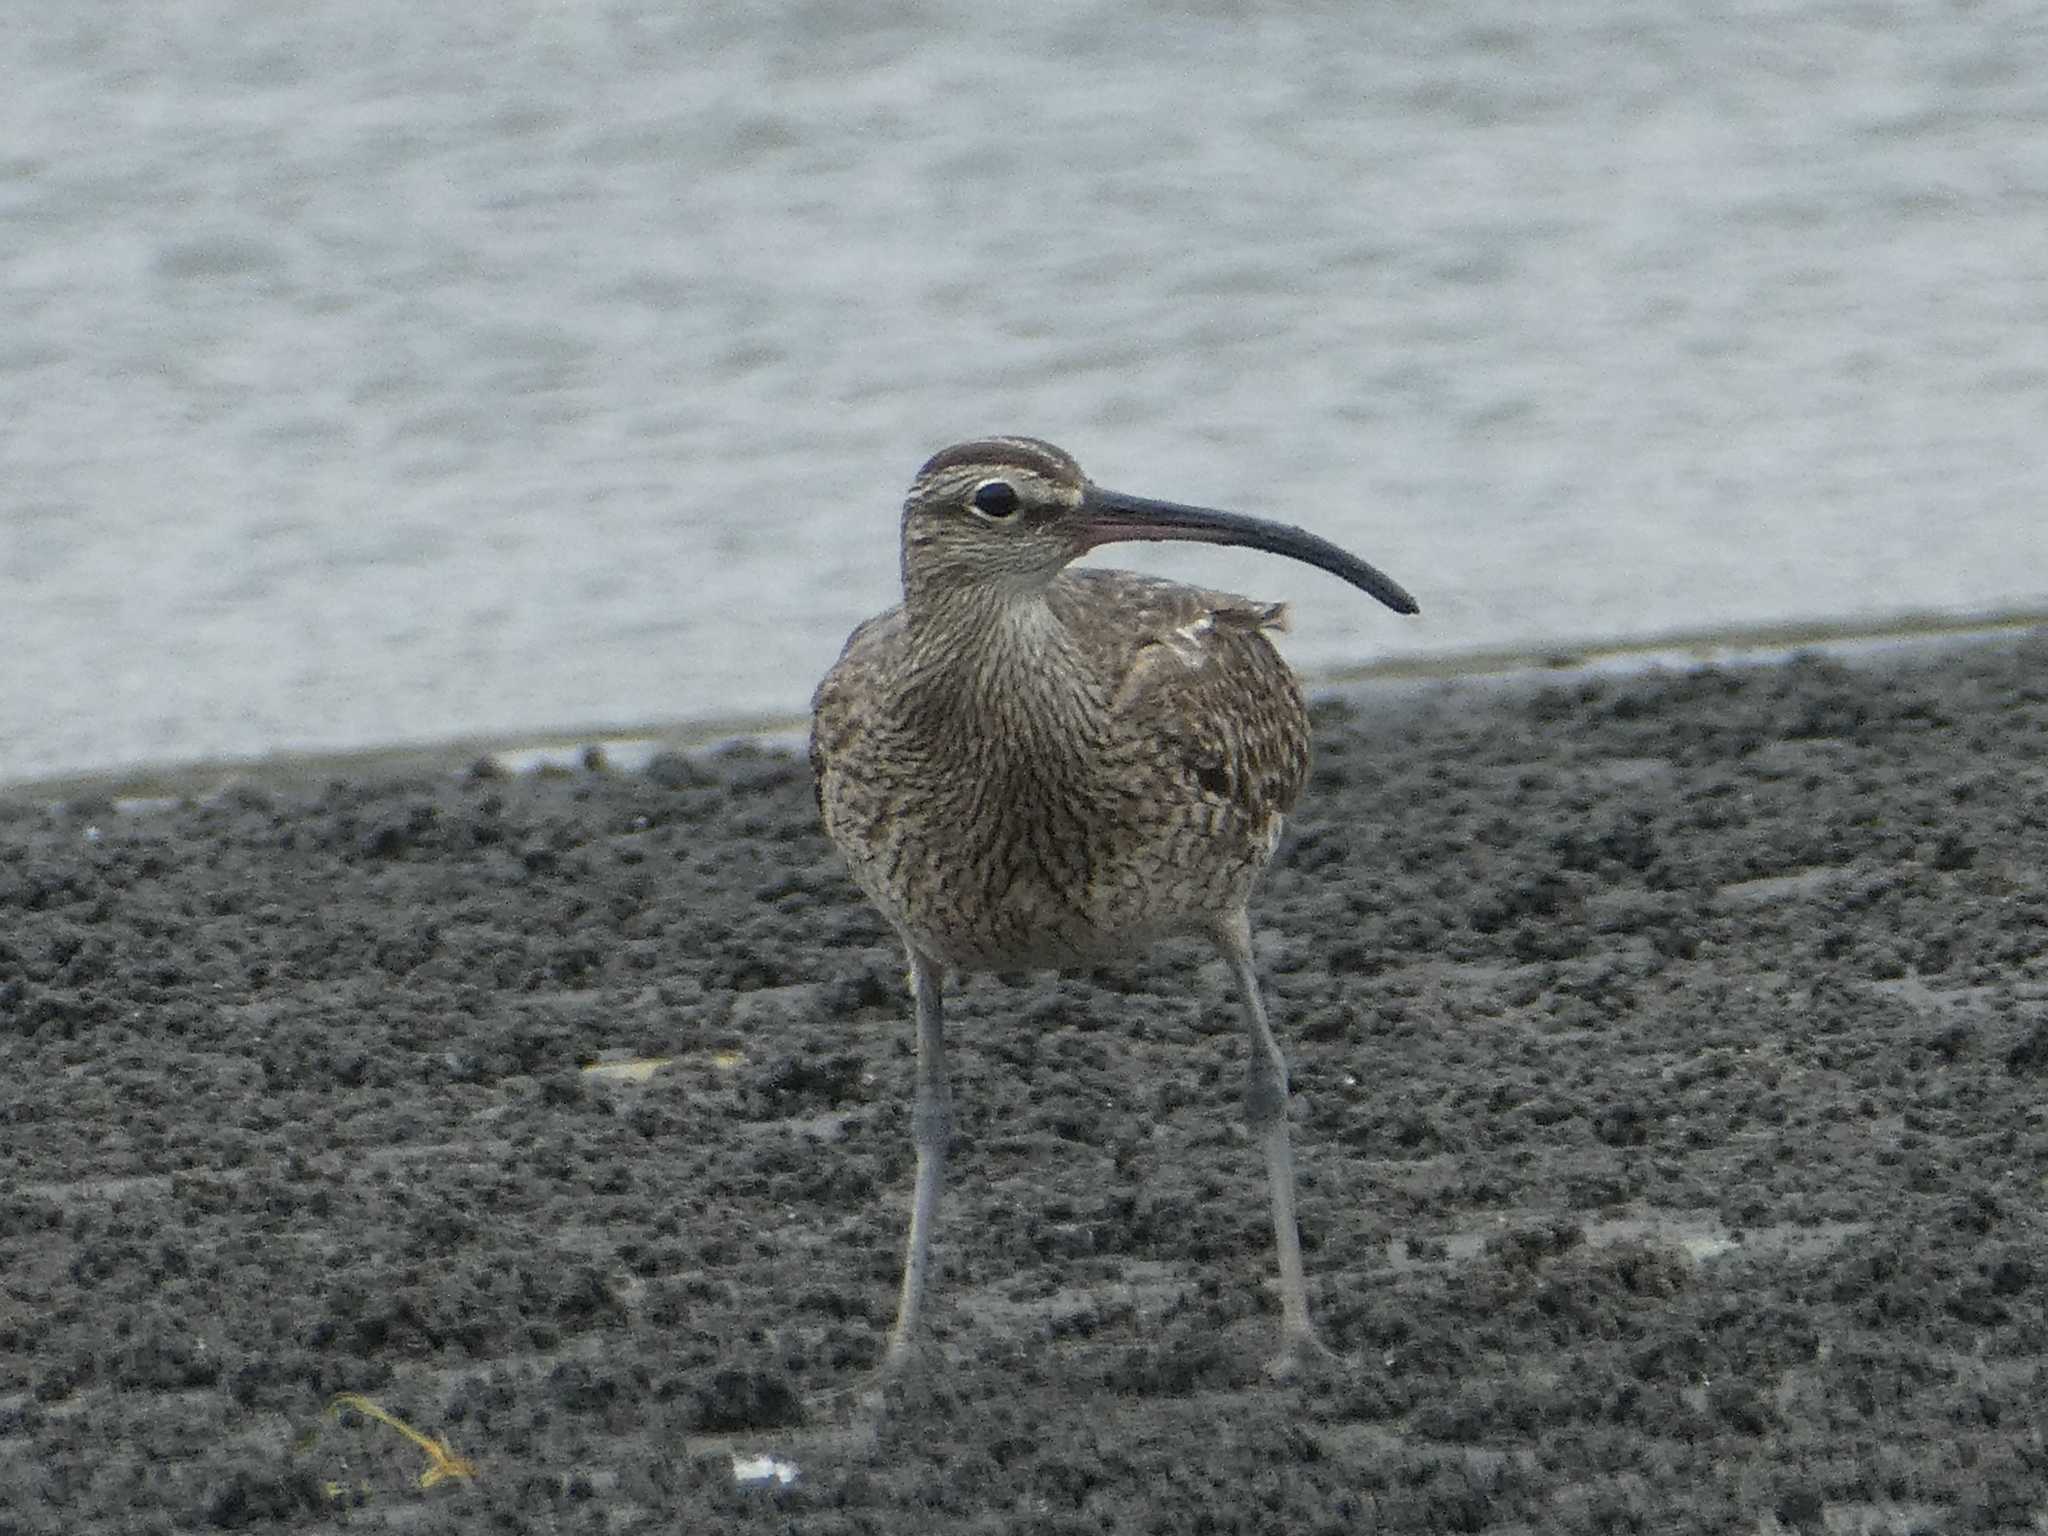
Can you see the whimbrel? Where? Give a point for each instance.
(1031, 767)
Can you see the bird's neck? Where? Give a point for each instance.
(995, 663)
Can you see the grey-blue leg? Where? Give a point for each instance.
(1265, 1113)
(931, 1125)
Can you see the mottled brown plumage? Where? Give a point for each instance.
(1058, 790)
(1028, 766)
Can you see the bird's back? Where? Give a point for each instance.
(1114, 771)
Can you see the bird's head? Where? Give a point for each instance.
(1002, 513)
(1007, 514)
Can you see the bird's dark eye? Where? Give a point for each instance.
(995, 498)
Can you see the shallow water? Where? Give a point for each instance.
(390, 373)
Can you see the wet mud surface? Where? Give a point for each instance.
(1670, 1059)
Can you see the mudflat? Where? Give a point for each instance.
(1670, 1058)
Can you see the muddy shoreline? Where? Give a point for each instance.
(1669, 1056)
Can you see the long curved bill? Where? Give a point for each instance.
(1112, 517)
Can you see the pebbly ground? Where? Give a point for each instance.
(1670, 1058)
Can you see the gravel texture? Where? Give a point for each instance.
(1670, 1056)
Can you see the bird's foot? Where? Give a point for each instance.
(1303, 1356)
(860, 1399)
(868, 1394)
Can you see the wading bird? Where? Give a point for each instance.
(1032, 767)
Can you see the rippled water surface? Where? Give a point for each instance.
(393, 372)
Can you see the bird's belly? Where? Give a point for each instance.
(1061, 887)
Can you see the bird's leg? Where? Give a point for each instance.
(1265, 1113)
(931, 1124)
